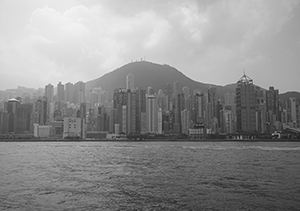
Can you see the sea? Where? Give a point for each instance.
(150, 176)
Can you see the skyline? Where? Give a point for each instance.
(51, 41)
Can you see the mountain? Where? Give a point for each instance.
(157, 76)
(285, 96)
(154, 75)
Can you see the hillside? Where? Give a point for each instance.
(151, 74)
(285, 96)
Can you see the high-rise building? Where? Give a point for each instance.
(180, 106)
(4, 118)
(168, 93)
(79, 92)
(69, 92)
(272, 105)
(20, 117)
(40, 110)
(140, 108)
(130, 81)
(131, 112)
(199, 107)
(151, 114)
(49, 92)
(60, 92)
(245, 105)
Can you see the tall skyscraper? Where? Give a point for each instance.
(140, 108)
(151, 114)
(245, 105)
(49, 92)
(20, 118)
(79, 92)
(130, 81)
(69, 93)
(60, 92)
(40, 110)
(272, 105)
(131, 112)
(4, 118)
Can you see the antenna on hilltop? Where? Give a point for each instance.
(244, 72)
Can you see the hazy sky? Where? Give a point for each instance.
(210, 41)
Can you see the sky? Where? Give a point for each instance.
(210, 41)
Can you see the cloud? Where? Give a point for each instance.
(85, 41)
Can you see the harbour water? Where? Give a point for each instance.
(150, 176)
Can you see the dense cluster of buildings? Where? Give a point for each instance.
(71, 111)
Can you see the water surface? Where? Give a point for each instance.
(150, 176)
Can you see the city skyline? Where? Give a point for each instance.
(50, 41)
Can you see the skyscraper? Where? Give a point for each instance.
(151, 114)
(40, 110)
(130, 81)
(245, 105)
(131, 112)
(60, 92)
(79, 92)
(69, 92)
(49, 91)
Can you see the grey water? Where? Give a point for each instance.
(150, 176)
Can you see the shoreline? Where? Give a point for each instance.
(151, 140)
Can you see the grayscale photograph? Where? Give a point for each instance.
(150, 105)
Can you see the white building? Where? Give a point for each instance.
(74, 127)
(42, 131)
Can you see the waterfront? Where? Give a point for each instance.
(150, 176)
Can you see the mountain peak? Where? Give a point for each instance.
(150, 74)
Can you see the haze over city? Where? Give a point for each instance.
(213, 42)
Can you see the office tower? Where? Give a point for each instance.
(185, 121)
(211, 102)
(245, 105)
(131, 112)
(82, 111)
(40, 110)
(293, 109)
(24, 118)
(199, 108)
(11, 108)
(20, 118)
(168, 93)
(69, 93)
(272, 105)
(49, 92)
(140, 108)
(60, 92)
(151, 114)
(112, 120)
(4, 119)
(159, 121)
(79, 92)
(130, 81)
(124, 118)
(120, 100)
(180, 105)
